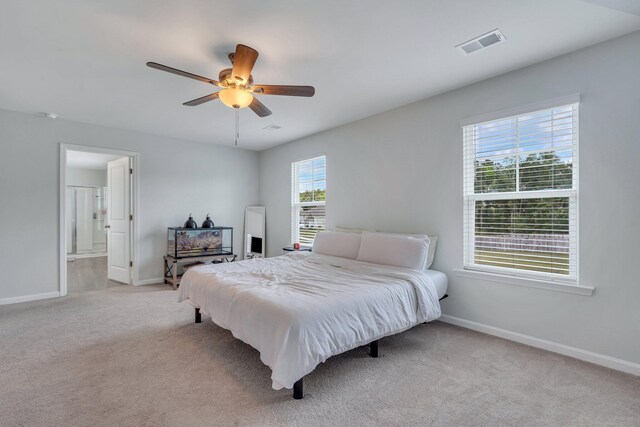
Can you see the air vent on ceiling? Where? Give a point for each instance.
(271, 127)
(485, 40)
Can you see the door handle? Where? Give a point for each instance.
(107, 226)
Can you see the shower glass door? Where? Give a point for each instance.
(86, 215)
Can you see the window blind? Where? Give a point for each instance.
(521, 194)
(308, 199)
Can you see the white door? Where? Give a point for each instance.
(70, 208)
(118, 220)
(84, 220)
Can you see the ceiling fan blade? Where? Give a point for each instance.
(181, 73)
(259, 108)
(243, 62)
(284, 90)
(202, 100)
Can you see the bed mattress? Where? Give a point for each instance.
(300, 309)
(439, 280)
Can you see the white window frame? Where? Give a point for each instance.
(470, 197)
(296, 204)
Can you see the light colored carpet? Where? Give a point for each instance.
(133, 356)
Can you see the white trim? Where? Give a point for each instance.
(516, 195)
(577, 353)
(62, 224)
(575, 166)
(471, 197)
(26, 298)
(296, 204)
(62, 236)
(525, 281)
(510, 272)
(316, 156)
(156, 281)
(522, 109)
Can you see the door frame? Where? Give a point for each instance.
(62, 229)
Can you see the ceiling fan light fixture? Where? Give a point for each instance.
(235, 98)
(236, 84)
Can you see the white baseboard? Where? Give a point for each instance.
(587, 356)
(26, 298)
(149, 281)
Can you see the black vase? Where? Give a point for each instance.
(207, 223)
(190, 223)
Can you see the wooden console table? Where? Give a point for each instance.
(171, 275)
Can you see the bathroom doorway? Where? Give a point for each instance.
(97, 218)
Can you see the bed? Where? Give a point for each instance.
(300, 309)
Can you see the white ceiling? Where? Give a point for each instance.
(82, 160)
(629, 6)
(85, 60)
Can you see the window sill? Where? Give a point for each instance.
(524, 281)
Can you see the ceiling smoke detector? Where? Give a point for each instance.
(481, 42)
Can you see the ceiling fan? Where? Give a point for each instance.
(238, 90)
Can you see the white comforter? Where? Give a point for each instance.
(300, 309)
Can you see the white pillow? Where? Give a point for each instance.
(335, 243)
(388, 249)
(351, 230)
(433, 239)
(413, 236)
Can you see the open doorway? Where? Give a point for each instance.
(97, 227)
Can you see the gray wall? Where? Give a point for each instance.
(402, 171)
(87, 177)
(176, 177)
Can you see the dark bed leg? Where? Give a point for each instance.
(198, 316)
(298, 389)
(373, 348)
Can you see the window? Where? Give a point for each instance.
(521, 194)
(308, 198)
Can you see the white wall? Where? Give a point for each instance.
(402, 171)
(176, 177)
(87, 177)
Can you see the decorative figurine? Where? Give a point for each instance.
(190, 223)
(207, 223)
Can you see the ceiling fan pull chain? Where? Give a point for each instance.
(237, 125)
